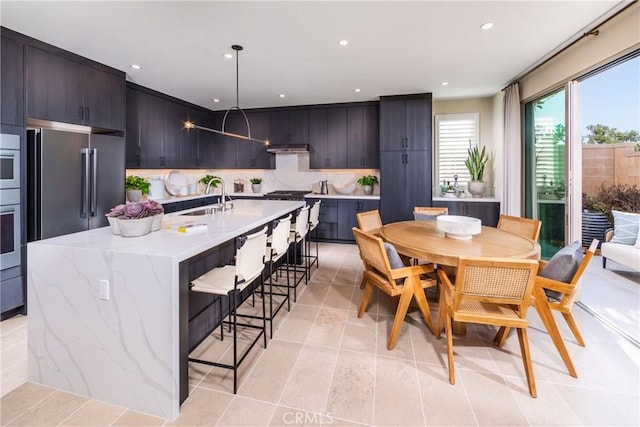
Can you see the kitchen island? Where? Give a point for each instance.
(109, 315)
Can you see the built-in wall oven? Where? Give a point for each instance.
(11, 283)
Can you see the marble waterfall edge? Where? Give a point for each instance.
(73, 349)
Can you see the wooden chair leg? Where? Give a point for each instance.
(362, 283)
(368, 290)
(442, 306)
(423, 305)
(401, 312)
(571, 321)
(526, 359)
(449, 331)
(501, 336)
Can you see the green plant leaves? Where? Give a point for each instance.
(476, 161)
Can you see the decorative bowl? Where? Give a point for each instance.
(348, 188)
(459, 227)
(135, 227)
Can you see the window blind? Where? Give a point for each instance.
(454, 133)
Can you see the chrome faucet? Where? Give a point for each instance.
(223, 200)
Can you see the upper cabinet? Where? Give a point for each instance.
(289, 126)
(344, 137)
(231, 152)
(64, 90)
(12, 78)
(405, 122)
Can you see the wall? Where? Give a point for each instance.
(609, 164)
(291, 173)
(488, 136)
(619, 35)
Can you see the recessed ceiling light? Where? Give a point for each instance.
(486, 26)
(136, 67)
(445, 83)
(228, 55)
(356, 90)
(282, 95)
(343, 42)
(216, 100)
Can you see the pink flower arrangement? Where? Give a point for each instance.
(136, 210)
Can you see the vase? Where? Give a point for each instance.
(256, 188)
(134, 195)
(367, 189)
(156, 224)
(113, 223)
(135, 227)
(594, 226)
(476, 188)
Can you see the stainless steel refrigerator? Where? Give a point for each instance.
(73, 179)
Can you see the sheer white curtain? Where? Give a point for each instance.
(512, 160)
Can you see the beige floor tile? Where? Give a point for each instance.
(135, 419)
(310, 379)
(548, 409)
(202, 407)
(16, 335)
(16, 402)
(444, 404)
(52, 410)
(285, 417)
(13, 323)
(12, 355)
(491, 399)
(328, 327)
(352, 390)
(94, 413)
(360, 334)
(426, 348)
(298, 323)
(397, 398)
(347, 275)
(403, 348)
(197, 371)
(247, 412)
(340, 297)
(314, 294)
(270, 375)
(326, 274)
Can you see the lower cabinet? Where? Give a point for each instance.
(338, 217)
(188, 204)
(487, 212)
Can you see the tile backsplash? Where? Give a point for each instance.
(291, 173)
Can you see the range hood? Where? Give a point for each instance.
(288, 148)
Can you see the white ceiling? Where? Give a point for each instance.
(291, 47)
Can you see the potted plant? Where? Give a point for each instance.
(367, 182)
(136, 187)
(597, 215)
(475, 163)
(256, 184)
(136, 218)
(209, 179)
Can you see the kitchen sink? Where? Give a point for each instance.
(200, 212)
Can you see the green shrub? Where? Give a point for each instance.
(621, 197)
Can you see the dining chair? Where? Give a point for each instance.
(277, 248)
(408, 282)
(299, 231)
(428, 213)
(525, 227)
(230, 281)
(561, 295)
(369, 221)
(314, 220)
(490, 291)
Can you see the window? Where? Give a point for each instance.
(454, 134)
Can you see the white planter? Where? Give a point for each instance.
(134, 195)
(135, 227)
(256, 188)
(367, 189)
(476, 188)
(156, 224)
(113, 223)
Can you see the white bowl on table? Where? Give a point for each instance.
(348, 188)
(459, 227)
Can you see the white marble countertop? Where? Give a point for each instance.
(221, 227)
(342, 196)
(466, 199)
(174, 199)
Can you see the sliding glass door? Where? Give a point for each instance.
(545, 168)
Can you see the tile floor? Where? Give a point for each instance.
(327, 367)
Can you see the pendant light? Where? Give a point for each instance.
(191, 125)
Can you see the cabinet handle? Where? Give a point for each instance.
(80, 112)
(406, 143)
(137, 159)
(86, 113)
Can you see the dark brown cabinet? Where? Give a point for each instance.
(63, 90)
(289, 126)
(12, 78)
(405, 122)
(347, 210)
(488, 212)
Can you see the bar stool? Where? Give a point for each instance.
(231, 280)
(297, 238)
(314, 220)
(277, 248)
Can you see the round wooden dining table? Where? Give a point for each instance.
(424, 241)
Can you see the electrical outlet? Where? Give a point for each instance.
(104, 289)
